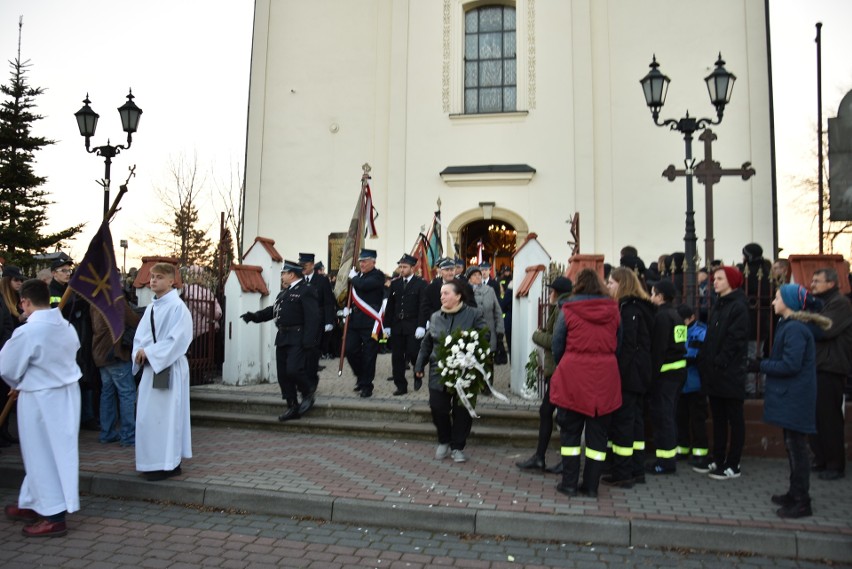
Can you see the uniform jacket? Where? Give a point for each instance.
(790, 397)
(695, 335)
(402, 312)
(722, 362)
(325, 298)
(668, 343)
(544, 338)
(634, 355)
(440, 324)
(488, 303)
(834, 346)
(296, 315)
(585, 339)
(370, 287)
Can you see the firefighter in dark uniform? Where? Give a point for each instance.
(327, 312)
(362, 346)
(487, 280)
(405, 321)
(297, 318)
(668, 374)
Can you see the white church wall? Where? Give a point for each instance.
(324, 103)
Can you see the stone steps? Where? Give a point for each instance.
(374, 418)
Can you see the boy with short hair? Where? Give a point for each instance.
(159, 347)
(39, 361)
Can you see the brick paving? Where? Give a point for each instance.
(403, 482)
(113, 534)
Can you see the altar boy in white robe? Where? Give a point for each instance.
(39, 361)
(163, 435)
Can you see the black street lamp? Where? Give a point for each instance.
(720, 84)
(87, 122)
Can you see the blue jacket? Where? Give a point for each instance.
(790, 398)
(694, 340)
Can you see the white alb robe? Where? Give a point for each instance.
(40, 362)
(163, 435)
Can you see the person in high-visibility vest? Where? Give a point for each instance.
(668, 374)
(692, 410)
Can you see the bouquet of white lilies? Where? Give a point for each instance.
(465, 361)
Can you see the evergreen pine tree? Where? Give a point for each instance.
(23, 205)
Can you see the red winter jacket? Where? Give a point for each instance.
(586, 379)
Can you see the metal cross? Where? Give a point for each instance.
(709, 172)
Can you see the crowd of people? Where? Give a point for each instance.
(619, 351)
(628, 348)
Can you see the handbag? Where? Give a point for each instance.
(162, 379)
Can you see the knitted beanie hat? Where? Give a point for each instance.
(734, 276)
(795, 297)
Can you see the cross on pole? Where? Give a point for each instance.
(708, 172)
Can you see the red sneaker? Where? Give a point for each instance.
(45, 528)
(13, 512)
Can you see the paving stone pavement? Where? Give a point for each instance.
(112, 534)
(398, 483)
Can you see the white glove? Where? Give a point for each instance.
(329, 327)
(420, 332)
(386, 332)
(346, 311)
(427, 325)
(352, 273)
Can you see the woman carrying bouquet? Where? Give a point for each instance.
(586, 386)
(450, 416)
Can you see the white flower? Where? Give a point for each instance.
(470, 395)
(474, 335)
(448, 340)
(455, 349)
(448, 383)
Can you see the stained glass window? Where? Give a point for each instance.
(490, 80)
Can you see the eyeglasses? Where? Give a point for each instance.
(65, 271)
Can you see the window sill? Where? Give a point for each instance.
(514, 116)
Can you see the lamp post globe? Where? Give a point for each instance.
(87, 122)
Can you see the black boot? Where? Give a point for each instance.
(570, 475)
(798, 509)
(591, 477)
(783, 499)
(292, 412)
(555, 469)
(535, 462)
(307, 403)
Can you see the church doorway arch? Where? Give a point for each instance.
(500, 230)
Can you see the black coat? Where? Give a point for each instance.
(834, 346)
(634, 356)
(722, 360)
(325, 298)
(296, 315)
(402, 312)
(370, 288)
(668, 342)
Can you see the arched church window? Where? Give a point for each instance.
(490, 63)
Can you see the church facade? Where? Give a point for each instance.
(522, 112)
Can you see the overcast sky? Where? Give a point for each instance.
(188, 64)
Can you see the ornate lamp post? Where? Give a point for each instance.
(720, 84)
(87, 122)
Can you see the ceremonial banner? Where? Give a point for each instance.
(97, 280)
(363, 224)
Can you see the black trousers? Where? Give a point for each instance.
(404, 349)
(727, 416)
(571, 424)
(290, 362)
(545, 421)
(627, 429)
(828, 444)
(361, 352)
(692, 424)
(312, 357)
(451, 419)
(800, 467)
(665, 392)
